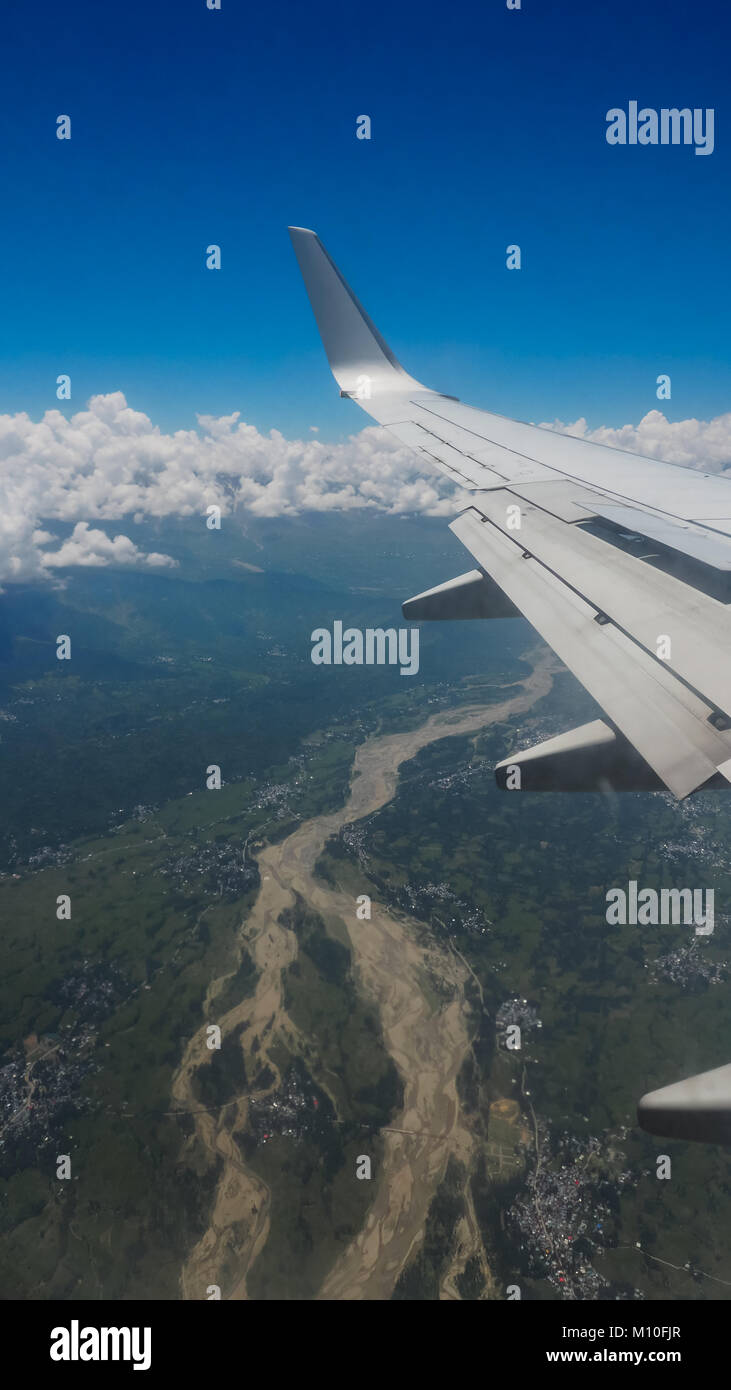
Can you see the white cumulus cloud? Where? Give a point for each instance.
(110, 463)
(87, 547)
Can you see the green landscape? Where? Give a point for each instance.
(126, 884)
(519, 883)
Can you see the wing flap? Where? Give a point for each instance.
(665, 722)
(644, 602)
(699, 543)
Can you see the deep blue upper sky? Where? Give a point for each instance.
(191, 127)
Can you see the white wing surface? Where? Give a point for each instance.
(621, 563)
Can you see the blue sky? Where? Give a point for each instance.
(191, 127)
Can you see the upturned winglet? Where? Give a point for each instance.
(361, 361)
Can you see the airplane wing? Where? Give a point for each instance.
(697, 1108)
(621, 563)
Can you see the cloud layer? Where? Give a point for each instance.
(110, 463)
(704, 444)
